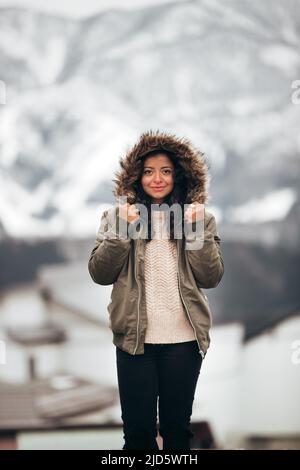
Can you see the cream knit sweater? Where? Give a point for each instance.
(166, 316)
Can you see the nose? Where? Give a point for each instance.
(157, 177)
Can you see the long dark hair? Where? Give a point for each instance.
(178, 194)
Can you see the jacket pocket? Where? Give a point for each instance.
(206, 302)
(117, 318)
(203, 295)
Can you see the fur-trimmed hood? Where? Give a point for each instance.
(189, 157)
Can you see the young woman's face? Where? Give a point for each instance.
(158, 177)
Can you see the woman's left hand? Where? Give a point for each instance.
(194, 211)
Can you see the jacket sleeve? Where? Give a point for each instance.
(204, 254)
(108, 255)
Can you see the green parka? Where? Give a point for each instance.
(118, 259)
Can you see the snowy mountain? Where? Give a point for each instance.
(78, 94)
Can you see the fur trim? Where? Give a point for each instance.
(190, 158)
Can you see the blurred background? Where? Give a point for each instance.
(79, 81)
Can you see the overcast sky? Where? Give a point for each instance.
(81, 8)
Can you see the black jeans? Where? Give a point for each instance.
(169, 373)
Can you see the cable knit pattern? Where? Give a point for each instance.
(166, 316)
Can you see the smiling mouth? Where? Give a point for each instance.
(158, 188)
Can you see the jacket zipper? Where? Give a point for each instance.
(136, 278)
(200, 350)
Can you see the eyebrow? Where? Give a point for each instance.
(152, 168)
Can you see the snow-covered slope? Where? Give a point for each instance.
(80, 92)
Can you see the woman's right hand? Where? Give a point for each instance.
(128, 212)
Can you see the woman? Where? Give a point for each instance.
(159, 315)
